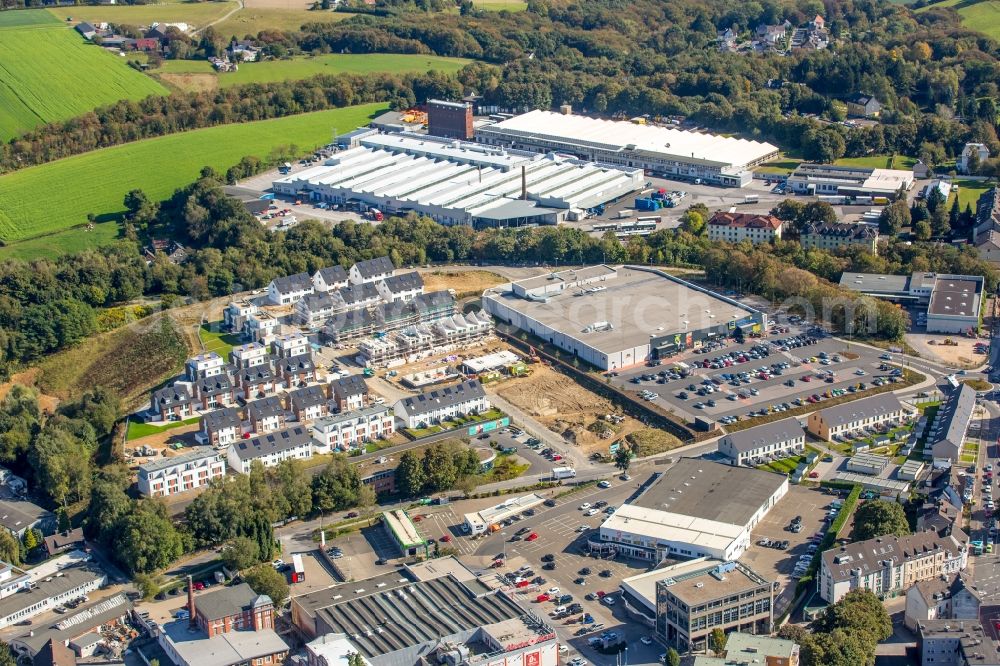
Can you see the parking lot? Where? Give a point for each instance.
(562, 535)
(777, 564)
(754, 376)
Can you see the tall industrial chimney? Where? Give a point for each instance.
(524, 183)
(192, 622)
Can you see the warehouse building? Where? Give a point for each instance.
(434, 612)
(619, 317)
(459, 183)
(696, 509)
(659, 151)
(953, 302)
(847, 181)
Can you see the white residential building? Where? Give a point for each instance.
(289, 289)
(261, 327)
(202, 366)
(770, 439)
(169, 476)
(328, 279)
(350, 430)
(859, 414)
(249, 355)
(400, 288)
(372, 270)
(289, 345)
(981, 152)
(270, 449)
(234, 317)
(942, 598)
(736, 227)
(442, 404)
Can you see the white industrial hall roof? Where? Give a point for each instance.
(460, 180)
(619, 135)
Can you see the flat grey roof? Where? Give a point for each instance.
(712, 491)
(70, 579)
(875, 283)
(234, 647)
(638, 304)
(77, 623)
(514, 208)
(766, 433)
(955, 297)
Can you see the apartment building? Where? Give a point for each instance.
(349, 393)
(736, 227)
(204, 365)
(442, 404)
(271, 449)
(371, 270)
(250, 355)
(221, 427)
(266, 415)
(833, 236)
(327, 279)
(400, 288)
(950, 597)
(350, 430)
(261, 327)
(177, 474)
(782, 437)
(290, 345)
(856, 415)
(309, 403)
(172, 403)
(234, 317)
(289, 289)
(889, 565)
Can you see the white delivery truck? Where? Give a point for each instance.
(559, 473)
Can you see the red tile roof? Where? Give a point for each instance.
(748, 220)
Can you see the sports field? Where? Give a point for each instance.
(54, 197)
(981, 15)
(306, 67)
(48, 72)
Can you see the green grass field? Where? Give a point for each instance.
(196, 14)
(137, 430)
(216, 341)
(498, 5)
(981, 15)
(252, 20)
(23, 18)
(48, 73)
(306, 67)
(969, 191)
(879, 161)
(54, 197)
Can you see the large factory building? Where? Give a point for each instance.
(619, 317)
(660, 151)
(455, 182)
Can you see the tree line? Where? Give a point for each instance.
(131, 120)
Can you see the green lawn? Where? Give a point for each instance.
(781, 166)
(498, 5)
(981, 15)
(196, 14)
(306, 67)
(137, 430)
(879, 161)
(251, 21)
(50, 73)
(53, 197)
(969, 191)
(217, 341)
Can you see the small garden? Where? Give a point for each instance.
(489, 415)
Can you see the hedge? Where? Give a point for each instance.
(830, 537)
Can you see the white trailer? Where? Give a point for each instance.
(559, 473)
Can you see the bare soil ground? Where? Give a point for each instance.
(47, 403)
(162, 441)
(960, 356)
(190, 82)
(567, 408)
(464, 282)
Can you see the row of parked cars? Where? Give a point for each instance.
(794, 342)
